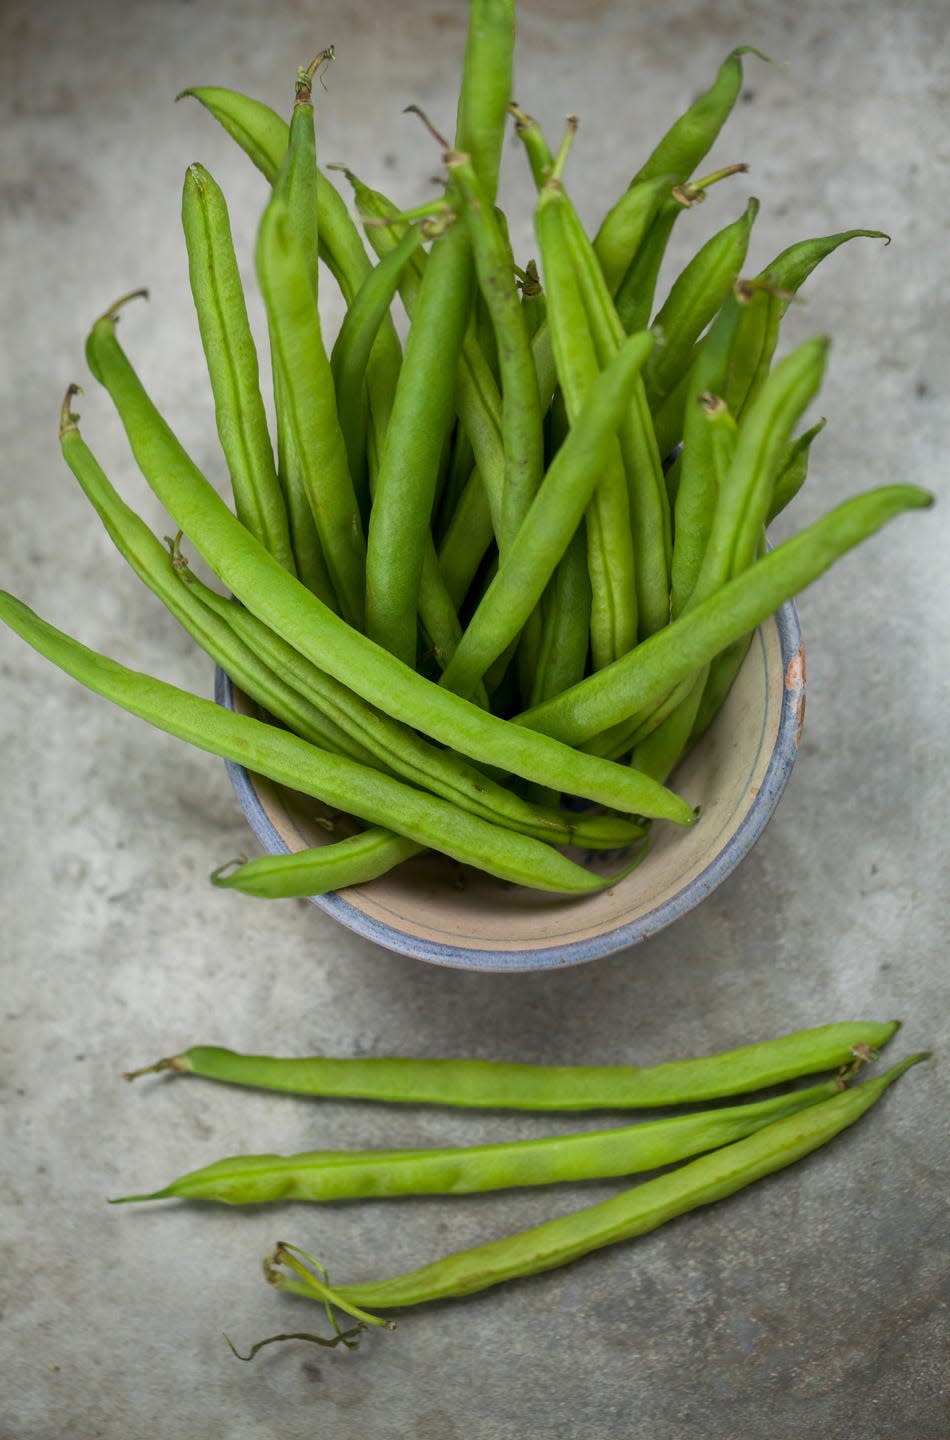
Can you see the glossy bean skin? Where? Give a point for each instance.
(641, 679)
(521, 405)
(335, 866)
(307, 394)
(635, 1212)
(793, 472)
(336, 780)
(486, 88)
(771, 294)
(329, 1175)
(696, 296)
(210, 626)
(610, 551)
(232, 364)
(691, 137)
(354, 344)
(497, 1085)
(322, 637)
(626, 225)
(745, 491)
(554, 516)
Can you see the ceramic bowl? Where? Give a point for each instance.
(736, 773)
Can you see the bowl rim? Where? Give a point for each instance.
(623, 937)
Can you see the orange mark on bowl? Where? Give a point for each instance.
(795, 683)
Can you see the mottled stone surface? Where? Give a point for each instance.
(812, 1304)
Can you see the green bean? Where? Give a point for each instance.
(771, 294)
(336, 780)
(493, 1084)
(708, 430)
(521, 407)
(635, 293)
(355, 340)
(211, 626)
(697, 294)
(486, 88)
(641, 679)
(565, 628)
(329, 1175)
(635, 1212)
(708, 456)
(659, 752)
(232, 364)
(610, 553)
(334, 866)
(646, 491)
(307, 393)
(690, 138)
(625, 226)
(794, 471)
(719, 681)
(745, 493)
(296, 183)
(420, 420)
(275, 597)
(261, 133)
(554, 516)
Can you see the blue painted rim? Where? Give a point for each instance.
(577, 952)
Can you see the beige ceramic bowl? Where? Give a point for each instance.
(431, 909)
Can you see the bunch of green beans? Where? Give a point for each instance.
(725, 1147)
(465, 576)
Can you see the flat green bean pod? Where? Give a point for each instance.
(497, 1085)
(335, 866)
(327, 1175)
(635, 1212)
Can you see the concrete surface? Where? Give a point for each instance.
(813, 1303)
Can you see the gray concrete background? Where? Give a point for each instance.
(812, 1303)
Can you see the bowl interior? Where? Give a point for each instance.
(436, 910)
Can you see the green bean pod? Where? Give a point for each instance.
(334, 866)
(565, 625)
(641, 679)
(330, 1175)
(626, 225)
(697, 294)
(336, 780)
(354, 344)
(308, 396)
(691, 137)
(521, 406)
(646, 490)
(610, 551)
(745, 492)
(635, 1212)
(772, 292)
(794, 471)
(232, 364)
(211, 625)
(486, 88)
(497, 1085)
(708, 455)
(554, 516)
(399, 526)
(261, 133)
(296, 183)
(272, 594)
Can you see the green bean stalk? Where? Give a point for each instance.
(455, 579)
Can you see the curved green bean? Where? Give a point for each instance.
(232, 364)
(329, 1175)
(335, 866)
(336, 780)
(286, 606)
(496, 1085)
(794, 471)
(642, 678)
(635, 1212)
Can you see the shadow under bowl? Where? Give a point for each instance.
(432, 909)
